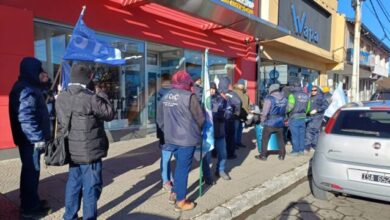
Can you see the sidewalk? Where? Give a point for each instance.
(132, 185)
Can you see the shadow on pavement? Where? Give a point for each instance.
(53, 188)
(145, 216)
(300, 209)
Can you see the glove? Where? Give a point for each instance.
(313, 112)
(40, 146)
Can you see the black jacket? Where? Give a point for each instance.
(27, 108)
(87, 139)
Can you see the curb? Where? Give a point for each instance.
(241, 203)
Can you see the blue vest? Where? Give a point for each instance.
(301, 100)
(180, 128)
(277, 112)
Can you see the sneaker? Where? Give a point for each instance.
(261, 157)
(172, 198)
(167, 186)
(294, 154)
(36, 213)
(223, 175)
(184, 205)
(280, 157)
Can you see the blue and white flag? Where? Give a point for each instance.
(84, 46)
(208, 127)
(65, 77)
(338, 100)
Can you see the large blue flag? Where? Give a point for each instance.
(208, 127)
(84, 46)
(65, 77)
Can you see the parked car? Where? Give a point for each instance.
(353, 153)
(383, 94)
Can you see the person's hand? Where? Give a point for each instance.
(40, 146)
(313, 112)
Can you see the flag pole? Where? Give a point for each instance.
(83, 10)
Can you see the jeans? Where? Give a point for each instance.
(183, 157)
(29, 177)
(267, 131)
(165, 165)
(238, 131)
(206, 165)
(230, 133)
(297, 128)
(220, 145)
(84, 181)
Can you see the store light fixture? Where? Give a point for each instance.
(133, 57)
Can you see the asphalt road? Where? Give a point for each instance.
(298, 203)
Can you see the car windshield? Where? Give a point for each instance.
(365, 123)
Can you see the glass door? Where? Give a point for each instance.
(153, 70)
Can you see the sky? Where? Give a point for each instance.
(368, 16)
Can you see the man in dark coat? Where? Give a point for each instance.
(88, 143)
(318, 106)
(225, 89)
(272, 118)
(30, 125)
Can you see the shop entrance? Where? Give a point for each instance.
(161, 59)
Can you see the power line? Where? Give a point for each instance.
(380, 22)
(385, 12)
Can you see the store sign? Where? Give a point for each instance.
(242, 5)
(302, 29)
(306, 20)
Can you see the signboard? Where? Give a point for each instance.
(243, 5)
(307, 21)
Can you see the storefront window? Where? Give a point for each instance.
(125, 85)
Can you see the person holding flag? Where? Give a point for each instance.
(88, 143)
(181, 119)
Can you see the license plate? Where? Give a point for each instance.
(376, 178)
(369, 177)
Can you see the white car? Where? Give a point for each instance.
(353, 153)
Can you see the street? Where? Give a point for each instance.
(298, 203)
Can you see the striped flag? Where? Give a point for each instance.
(208, 127)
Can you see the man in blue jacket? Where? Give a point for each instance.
(30, 125)
(318, 106)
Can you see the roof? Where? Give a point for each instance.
(370, 35)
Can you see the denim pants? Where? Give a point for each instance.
(230, 136)
(297, 128)
(183, 157)
(220, 145)
(84, 181)
(29, 177)
(165, 165)
(238, 131)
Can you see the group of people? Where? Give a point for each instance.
(180, 119)
(302, 112)
(87, 141)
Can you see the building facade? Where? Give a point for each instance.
(154, 37)
(373, 62)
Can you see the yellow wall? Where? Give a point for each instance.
(292, 50)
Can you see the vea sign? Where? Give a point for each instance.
(302, 29)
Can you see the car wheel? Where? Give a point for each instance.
(317, 192)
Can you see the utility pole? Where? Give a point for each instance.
(357, 4)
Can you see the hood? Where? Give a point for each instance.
(30, 68)
(182, 80)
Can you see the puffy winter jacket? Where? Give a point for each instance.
(27, 108)
(87, 139)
